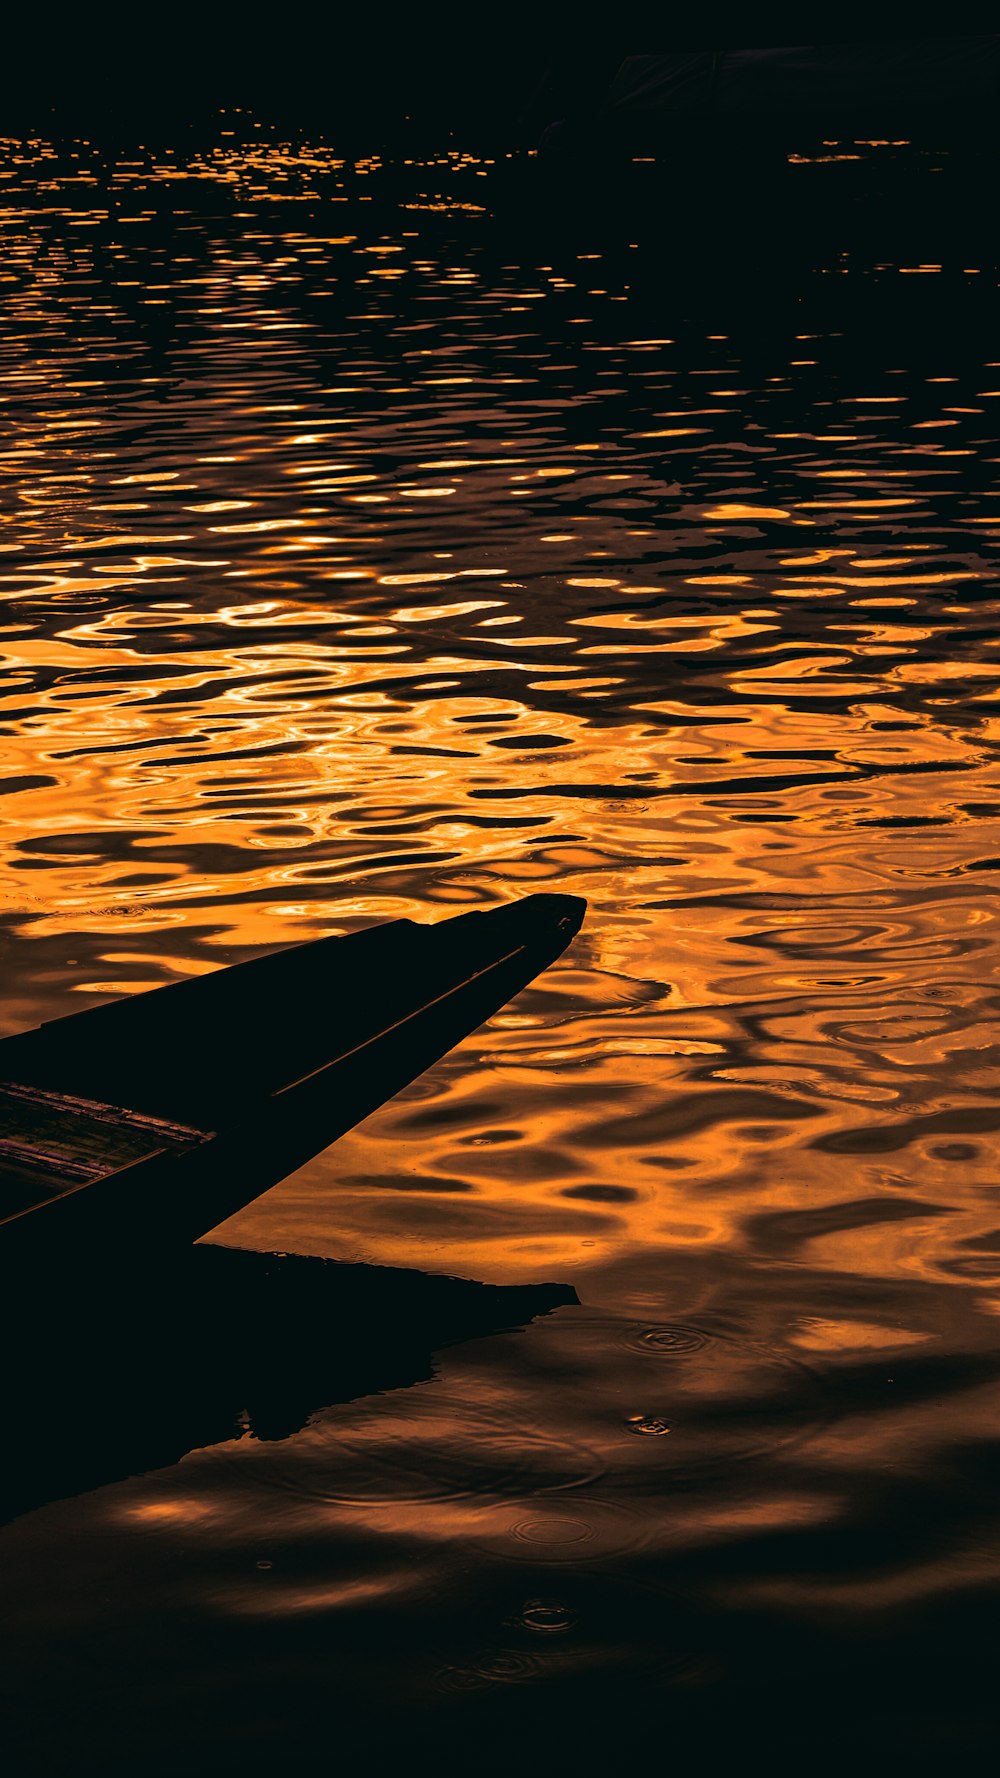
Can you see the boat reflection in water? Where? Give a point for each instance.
(218, 1344)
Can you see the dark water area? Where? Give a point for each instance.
(646, 1408)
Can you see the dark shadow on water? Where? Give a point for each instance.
(105, 1383)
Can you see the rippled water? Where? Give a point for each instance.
(370, 548)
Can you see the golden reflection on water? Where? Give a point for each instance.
(230, 732)
(348, 572)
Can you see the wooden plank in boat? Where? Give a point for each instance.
(53, 1142)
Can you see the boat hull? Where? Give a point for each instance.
(323, 1033)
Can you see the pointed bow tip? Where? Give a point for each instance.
(563, 911)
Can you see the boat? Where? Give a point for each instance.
(155, 1117)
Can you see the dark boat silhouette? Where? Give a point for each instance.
(161, 1114)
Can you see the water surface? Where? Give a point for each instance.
(372, 547)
